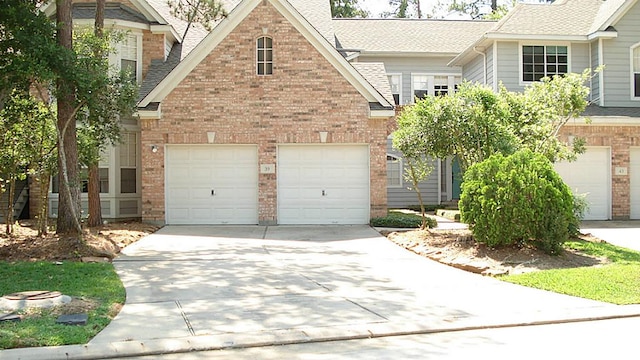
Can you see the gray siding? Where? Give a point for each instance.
(472, 71)
(399, 197)
(617, 59)
(579, 57)
(508, 63)
(490, 75)
(408, 65)
(595, 80)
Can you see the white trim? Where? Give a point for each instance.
(167, 30)
(401, 163)
(603, 35)
(451, 78)
(538, 37)
(227, 25)
(633, 71)
(381, 113)
(610, 120)
(521, 44)
(601, 76)
(618, 14)
(400, 97)
(149, 114)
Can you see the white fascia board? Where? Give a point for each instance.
(149, 114)
(148, 11)
(167, 30)
(382, 113)
(618, 14)
(610, 121)
(228, 24)
(404, 54)
(603, 35)
(534, 37)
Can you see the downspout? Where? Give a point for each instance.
(484, 64)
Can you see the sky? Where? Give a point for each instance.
(375, 7)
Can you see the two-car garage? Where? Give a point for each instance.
(219, 184)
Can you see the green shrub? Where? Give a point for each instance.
(517, 199)
(396, 219)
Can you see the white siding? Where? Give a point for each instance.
(509, 65)
(579, 57)
(595, 80)
(473, 71)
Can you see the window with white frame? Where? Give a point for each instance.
(440, 85)
(394, 171)
(539, 61)
(636, 72)
(395, 81)
(128, 163)
(420, 85)
(129, 55)
(264, 48)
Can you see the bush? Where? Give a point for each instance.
(396, 219)
(517, 199)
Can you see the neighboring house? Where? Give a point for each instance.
(416, 54)
(536, 40)
(261, 121)
(281, 115)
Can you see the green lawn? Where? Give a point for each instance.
(93, 282)
(617, 282)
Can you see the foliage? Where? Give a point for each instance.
(203, 12)
(347, 9)
(399, 219)
(417, 170)
(615, 283)
(97, 282)
(517, 199)
(404, 9)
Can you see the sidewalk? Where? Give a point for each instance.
(206, 288)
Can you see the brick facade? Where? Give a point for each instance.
(619, 138)
(304, 96)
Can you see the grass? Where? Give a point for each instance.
(96, 282)
(401, 219)
(617, 282)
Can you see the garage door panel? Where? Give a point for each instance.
(341, 171)
(590, 175)
(194, 172)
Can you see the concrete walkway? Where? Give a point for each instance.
(203, 288)
(621, 233)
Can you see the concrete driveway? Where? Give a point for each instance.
(205, 287)
(621, 233)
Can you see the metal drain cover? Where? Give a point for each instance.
(33, 295)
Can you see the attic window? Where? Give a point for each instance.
(264, 47)
(541, 61)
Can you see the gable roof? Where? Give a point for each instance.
(114, 11)
(562, 20)
(408, 35)
(191, 59)
(376, 75)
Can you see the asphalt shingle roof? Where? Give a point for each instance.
(114, 11)
(376, 75)
(409, 35)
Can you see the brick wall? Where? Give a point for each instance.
(152, 49)
(619, 138)
(305, 95)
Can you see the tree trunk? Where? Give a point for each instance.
(95, 212)
(69, 201)
(9, 210)
(43, 204)
(494, 5)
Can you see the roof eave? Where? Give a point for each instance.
(538, 37)
(603, 35)
(407, 53)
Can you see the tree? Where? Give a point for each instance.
(203, 12)
(347, 9)
(404, 9)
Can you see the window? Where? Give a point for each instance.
(129, 56)
(420, 86)
(541, 61)
(265, 55)
(440, 85)
(636, 72)
(103, 174)
(395, 81)
(394, 171)
(128, 162)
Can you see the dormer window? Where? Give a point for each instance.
(541, 61)
(264, 47)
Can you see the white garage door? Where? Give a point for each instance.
(591, 175)
(323, 184)
(634, 176)
(207, 184)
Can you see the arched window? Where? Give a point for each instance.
(264, 49)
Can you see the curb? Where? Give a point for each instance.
(125, 349)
